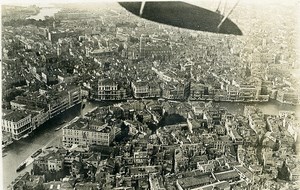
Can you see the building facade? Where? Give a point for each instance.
(140, 89)
(18, 123)
(84, 132)
(110, 90)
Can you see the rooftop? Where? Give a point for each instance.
(227, 175)
(217, 185)
(107, 82)
(89, 125)
(190, 182)
(16, 116)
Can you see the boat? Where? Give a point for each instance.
(63, 122)
(39, 151)
(6, 143)
(25, 136)
(21, 166)
(58, 128)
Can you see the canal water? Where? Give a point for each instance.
(271, 108)
(47, 136)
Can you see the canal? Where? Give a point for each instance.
(47, 136)
(271, 108)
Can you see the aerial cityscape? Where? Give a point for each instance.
(97, 98)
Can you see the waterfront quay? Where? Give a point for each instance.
(46, 136)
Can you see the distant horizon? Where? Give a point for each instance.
(47, 2)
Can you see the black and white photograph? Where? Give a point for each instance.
(150, 95)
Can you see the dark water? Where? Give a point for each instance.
(47, 136)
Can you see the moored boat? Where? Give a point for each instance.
(63, 122)
(39, 151)
(21, 166)
(25, 136)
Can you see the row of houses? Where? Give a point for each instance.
(109, 89)
(31, 111)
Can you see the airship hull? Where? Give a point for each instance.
(183, 15)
